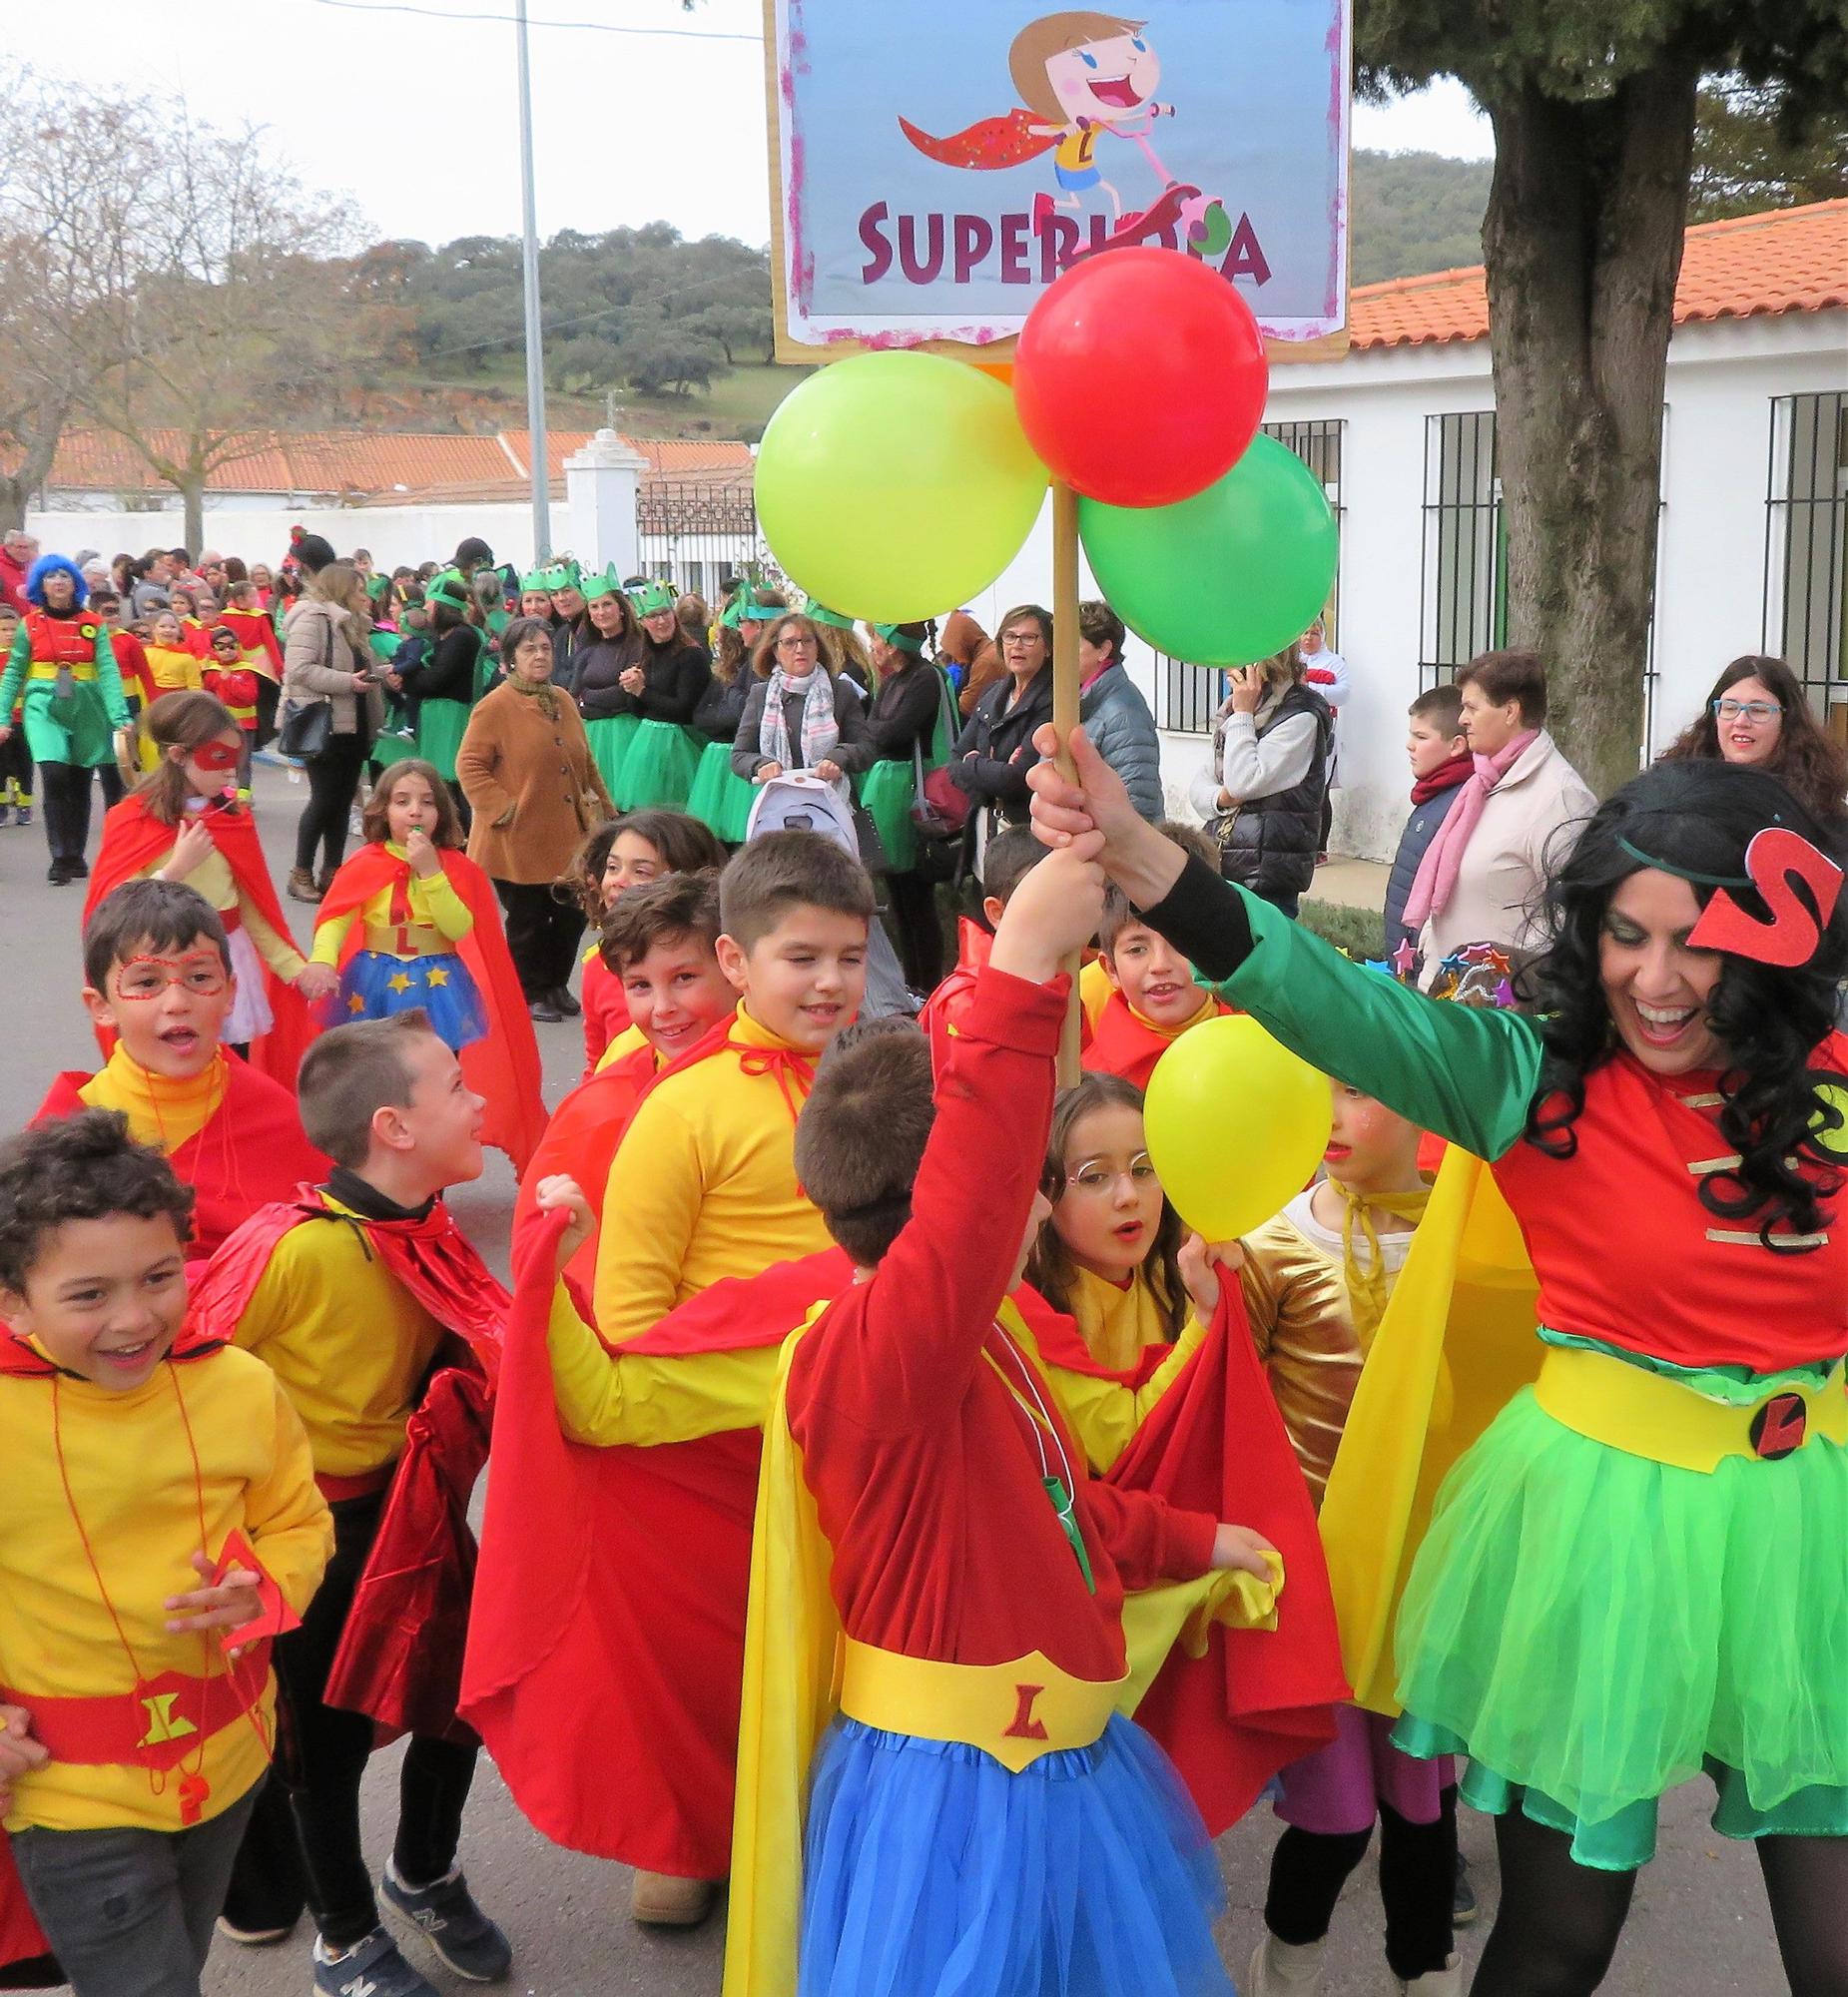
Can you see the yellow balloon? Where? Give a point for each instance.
(1236, 1124)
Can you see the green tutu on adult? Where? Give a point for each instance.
(889, 789)
(1664, 1621)
(441, 724)
(658, 770)
(610, 740)
(718, 797)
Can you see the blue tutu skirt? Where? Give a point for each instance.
(370, 989)
(930, 1870)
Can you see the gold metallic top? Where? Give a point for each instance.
(1303, 1321)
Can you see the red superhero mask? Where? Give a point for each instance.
(1774, 860)
(217, 756)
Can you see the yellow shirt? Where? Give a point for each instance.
(702, 1186)
(132, 1486)
(350, 1344)
(625, 1042)
(1094, 989)
(1104, 1414)
(435, 905)
(214, 879)
(162, 1112)
(174, 672)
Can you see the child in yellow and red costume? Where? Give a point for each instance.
(162, 1527)
(409, 919)
(384, 1328)
(659, 948)
(1153, 997)
(926, 1517)
(703, 1187)
(184, 822)
(157, 981)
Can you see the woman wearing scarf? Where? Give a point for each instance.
(1485, 871)
(1262, 796)
(536, 790)
(799, 715)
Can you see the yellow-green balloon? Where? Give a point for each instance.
(1236, 1125)
(897, 485)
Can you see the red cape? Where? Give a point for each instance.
(614, 1582)
(1121, 1043)
(400, 1652)
(581, 1141)
(256, 635)
(989, 145)
(133, 839)
(503, 1065)
(249, 1154)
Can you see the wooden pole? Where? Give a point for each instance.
(1065, 707)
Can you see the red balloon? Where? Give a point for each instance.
(1140, 376)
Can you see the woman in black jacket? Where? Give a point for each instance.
(663, 689)
(440, 684)
(996, 750)
(720, 798)
(610, 648)
(902, 725)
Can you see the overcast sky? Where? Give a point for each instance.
(416, 117)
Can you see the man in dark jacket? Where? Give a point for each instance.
(1440, 766)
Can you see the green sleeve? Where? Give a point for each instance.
(109, 678)
(1465, 1072)
(18, 659)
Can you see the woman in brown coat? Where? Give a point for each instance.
(526, 769)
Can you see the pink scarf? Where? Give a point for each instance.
(1442, 861)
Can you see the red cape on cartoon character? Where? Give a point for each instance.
(503, 1064)
(989, 145)
(133, 840)
(249, 1152)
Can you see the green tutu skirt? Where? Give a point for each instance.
(441, 724)
(609, 743)
(886, 793)
(1592, 1628)
(659, 769)
(718, 796)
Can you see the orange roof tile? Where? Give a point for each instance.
(1790, 260)
(380, 465)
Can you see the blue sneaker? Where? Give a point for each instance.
(372, 1968)
(446, 1916)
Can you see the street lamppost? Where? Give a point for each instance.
(535, 340)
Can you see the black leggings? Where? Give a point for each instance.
(1417, 1884)
(66, 804)
(323, 1760)
(333, 781)
(916, 930)
(1558, 1922)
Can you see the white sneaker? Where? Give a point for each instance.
(1444, 1982)
(1280, 1969)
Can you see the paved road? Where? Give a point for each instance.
(1699, 1928)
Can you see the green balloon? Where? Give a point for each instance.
(1232, 574)
(896, 485)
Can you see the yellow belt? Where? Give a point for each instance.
(414, 939)
(44, 669)
(1650, 1415)
(1015, 1712)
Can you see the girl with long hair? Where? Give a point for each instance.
(613, 648)
(184, 822)
(663, 689)
(1756, 714)
(1638, 1569)
(327, 656)
(440, 685)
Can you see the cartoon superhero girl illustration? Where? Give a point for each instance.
(1080, 76)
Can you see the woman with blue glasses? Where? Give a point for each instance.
(1758, 715)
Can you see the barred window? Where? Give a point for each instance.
(1806, 510)
(1465, 573)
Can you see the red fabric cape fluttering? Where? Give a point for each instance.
(1122, 1045)
(26, 1963)
(989, 145)
(133, 839)
(256, 633)
(503, 1065)
(249, 1154)
(399, 1660)
(613, 1583)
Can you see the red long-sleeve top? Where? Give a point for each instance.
(924, 1465)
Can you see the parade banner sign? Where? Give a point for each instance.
(935, 164)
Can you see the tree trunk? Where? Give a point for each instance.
(39, 449)
(192, 484)
(1581, 246)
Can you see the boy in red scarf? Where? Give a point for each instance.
(1440, 766)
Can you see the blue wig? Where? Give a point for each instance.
(55, 565)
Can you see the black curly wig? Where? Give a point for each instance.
(1696, 819)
